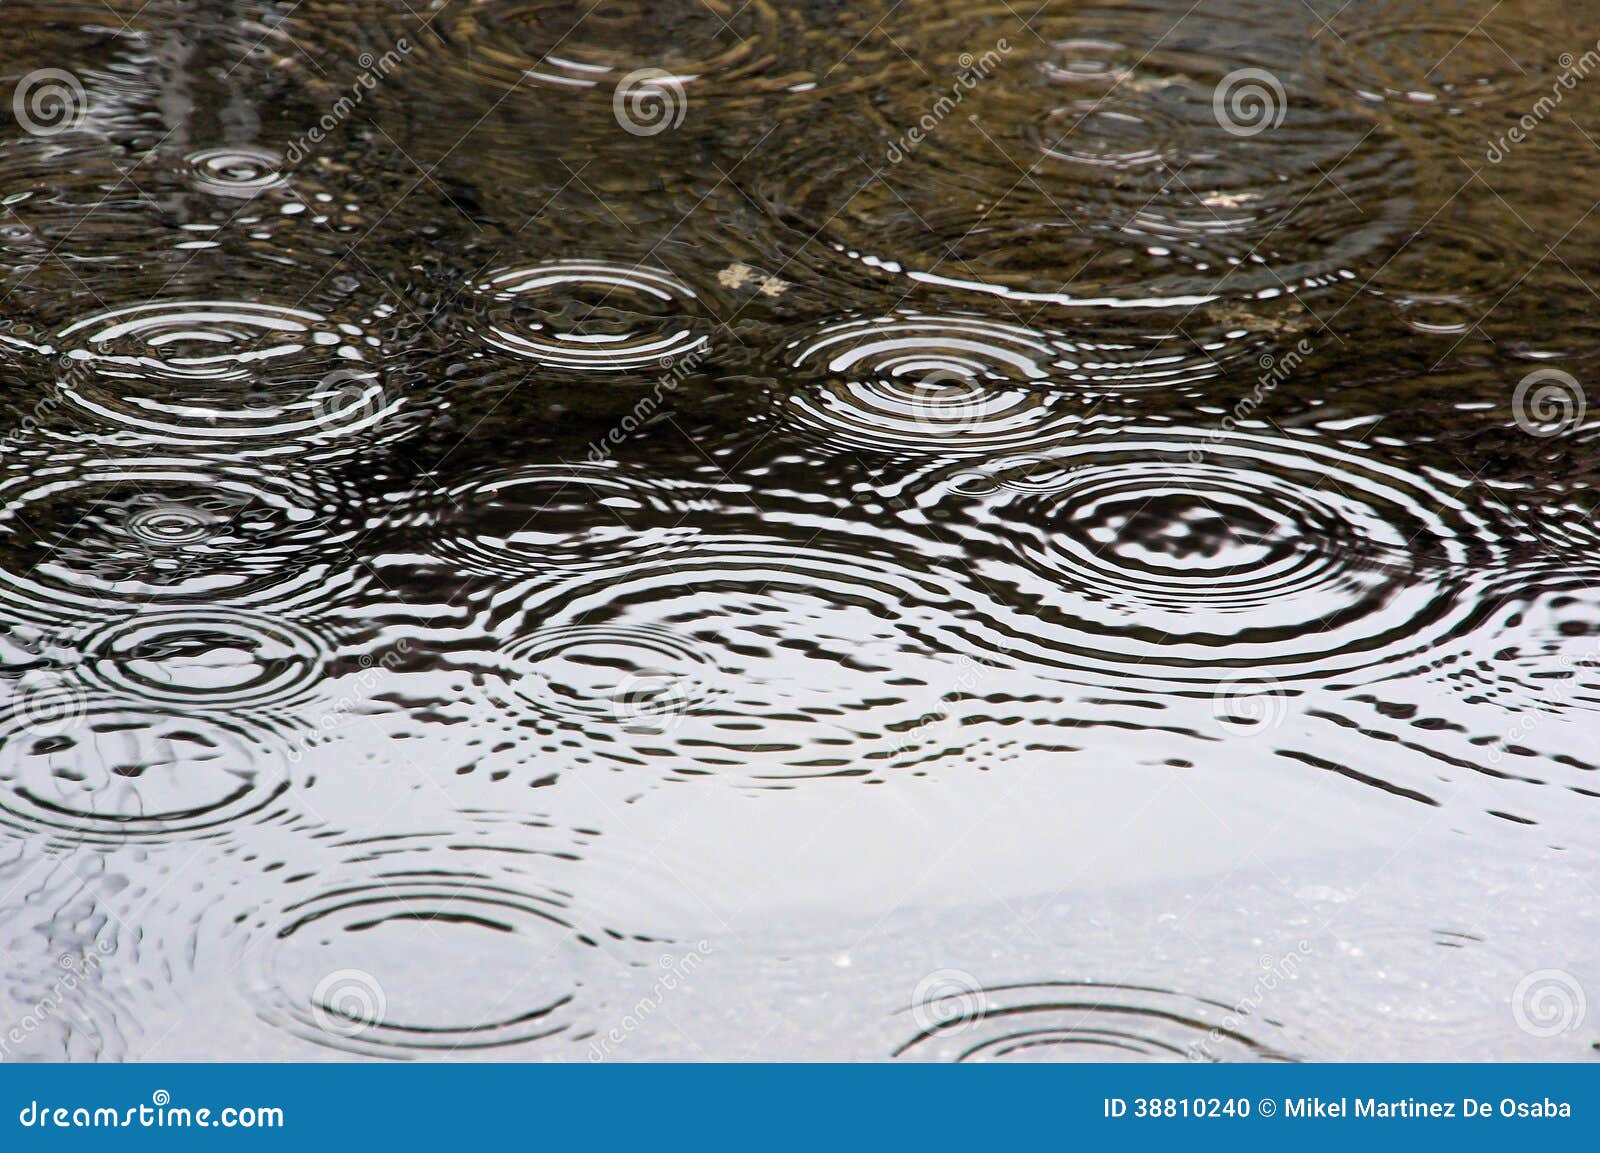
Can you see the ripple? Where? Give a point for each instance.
(206, 658)
(950, 384)
(556, 517)
(760, 660)
(590, 316)
(243, 173)
(93, 537)
(1114, 132)
(149, 773)
(222, 371)
(1189, 558)
(369, 964)
(1435, 61)
(521, 944)
(1441, 278)
(718, 47)
(1040, 189)
(638, 678)
(1082, 1021)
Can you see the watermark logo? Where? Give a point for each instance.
(347, 399)
(1573, 70)
(947, 1000)
(974, 70)
(649, 101)
(1250, 708)
(48, 101)
(1249, 101)
(1548, 1003)
(347, 1002)
(46, 705)
(1548, 402)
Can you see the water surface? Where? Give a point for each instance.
(917, 531)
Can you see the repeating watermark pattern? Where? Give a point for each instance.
(674, 972)
(1248, 101)
(947, 1001)
(1548, 402)
(675, 370)
(373, 70)
(649, 101)
(348, 1002)
(1548, 1003)
(1573, 69)
(77, 970)
(337, 711)
(1274, 371)
(48, 101)
(1250, 708)
(1274, 972)
(974, 71)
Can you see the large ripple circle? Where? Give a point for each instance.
(947, 384)
(368, 959)
(590, 316)
(228, 371)
(144, 773)
(759, 659)
(92, 537)
(1082, 1021)
(1194, 558)
(1089, 169)
(206, 658)
(515, 523)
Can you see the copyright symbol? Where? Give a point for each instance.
(1266, 1106)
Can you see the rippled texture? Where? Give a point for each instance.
(600, 531)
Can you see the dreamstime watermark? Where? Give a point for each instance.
(1250, 708)
(348, 399)
(1548, 1003)
(652, 701)
(337, 711)
(1548, 402)
(946, 402)
(974, 70)
(948, 1001)
(674, 972)
(45, 704)
(41, 414)
(649, 101)
(1556, 692)
(676, 369)
(931, 724)
(48, 101)
(1274, 371)
(77, 969)
(1573, 69)
(373, 70)
(348, 1002)
(1274, 971)
(1248, 101)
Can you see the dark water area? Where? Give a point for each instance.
(698, 530)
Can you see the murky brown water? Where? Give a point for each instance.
(697, 530)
